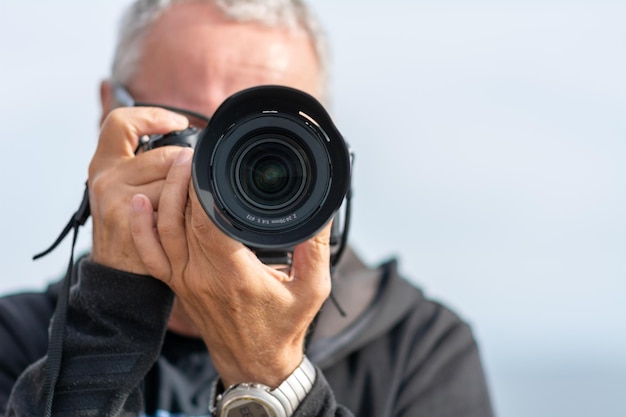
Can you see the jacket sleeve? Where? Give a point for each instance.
(116, 323)
(320, 401)
(24, 319)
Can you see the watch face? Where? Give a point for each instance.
(249, 409)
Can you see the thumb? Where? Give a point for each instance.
(311, 263)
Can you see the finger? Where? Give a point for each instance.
(122, 128)
(212, 238)
(149, 166)
(172, 207)
(103, 188)
(310, 269)
(146, 239)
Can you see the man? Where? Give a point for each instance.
(168, 312)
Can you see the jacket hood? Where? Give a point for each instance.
(373, 299)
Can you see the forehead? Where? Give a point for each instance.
(194, 56)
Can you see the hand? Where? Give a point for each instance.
(252, 317)
(116, 174)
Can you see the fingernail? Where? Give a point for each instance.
(183, 156)
(137, 203)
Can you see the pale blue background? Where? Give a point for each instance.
(491, 158)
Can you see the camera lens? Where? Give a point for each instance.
(271, 173)
(271, 169)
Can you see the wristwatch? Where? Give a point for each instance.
(250, 399)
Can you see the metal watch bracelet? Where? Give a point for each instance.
(285, 399)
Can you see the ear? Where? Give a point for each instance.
(107, 101)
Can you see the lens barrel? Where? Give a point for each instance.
(271, 169)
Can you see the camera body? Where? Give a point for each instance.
(270, 169)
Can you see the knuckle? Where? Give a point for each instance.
(321, 288)
(160, 159)
(116, 120)
(99, 185)
(169, 226)
(165, 227)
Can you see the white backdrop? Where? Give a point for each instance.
(490, 158)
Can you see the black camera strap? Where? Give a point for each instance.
(78, 219)
(57, 329)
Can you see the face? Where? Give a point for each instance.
(194, 59)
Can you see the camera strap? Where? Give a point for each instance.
(78, 219)
(57, 330)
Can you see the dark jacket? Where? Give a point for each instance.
(395, 353)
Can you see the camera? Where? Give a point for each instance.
(270, 169)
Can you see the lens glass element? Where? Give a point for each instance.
(271, 173)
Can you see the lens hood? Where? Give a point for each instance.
(271, 169)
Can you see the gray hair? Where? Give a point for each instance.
(292, 14)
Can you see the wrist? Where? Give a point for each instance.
(269, 367)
